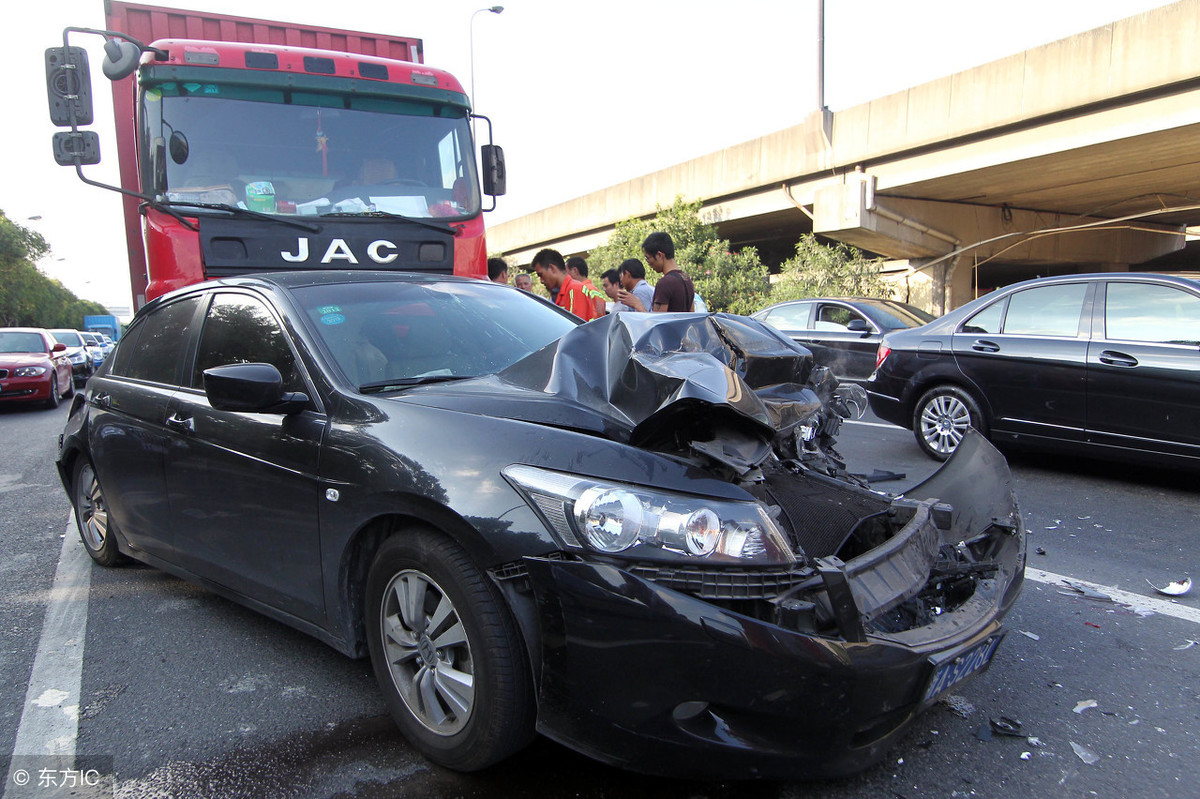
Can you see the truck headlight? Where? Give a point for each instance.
(29, 371)
(647, 524)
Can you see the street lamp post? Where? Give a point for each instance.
(471, 37)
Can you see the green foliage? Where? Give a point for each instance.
(27, 297)
(821, 270)
(735, 282)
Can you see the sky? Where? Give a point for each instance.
(582, 95)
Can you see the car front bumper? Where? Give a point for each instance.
(657, 680)
(25, 389)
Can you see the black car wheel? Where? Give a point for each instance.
(53, 401)
(70, 392)
(96, 528)
(446, 653)
(941, 419)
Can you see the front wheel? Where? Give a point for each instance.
(96, 528)
(52, 402)
(941, 419)
(446, 653)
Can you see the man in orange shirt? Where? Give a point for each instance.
(577, 268)
(568, 292)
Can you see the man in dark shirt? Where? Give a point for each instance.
(674, 291)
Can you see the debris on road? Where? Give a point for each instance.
(1087, 592)
(1041, 550)
(958, 706)
(1029, 635)
(1026, 755)
(1085, 754)
(1188, 644)
(1177, 588)
(1085, 705)
(1006, 726)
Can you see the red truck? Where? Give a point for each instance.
(247, 145)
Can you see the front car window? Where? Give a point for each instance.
(16, 341)
(837, 317)
(1046, 311)
(292, 152)
(1153, 313)
(239, 329)
(412, 331)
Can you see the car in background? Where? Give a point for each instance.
(95, 348)
(33, 367)
(454, 478)
(82, 364)
(1103, 363)
(843, 333)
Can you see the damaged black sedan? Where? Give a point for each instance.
(633, 536)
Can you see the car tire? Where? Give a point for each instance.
(97, 530)
(460, 690)
(70, 392)
(52, 402)
(941, 418)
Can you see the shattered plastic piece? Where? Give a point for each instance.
(984, 733)
(1041, 550)
(1034, 741)
(1085, 754)
(1085, 704)
(958, 706)
(1026, 755)
(1187, 645)
(1177, 588)
(1029, 635)
(1091, 624)
(1087, 592)
(1006, 726)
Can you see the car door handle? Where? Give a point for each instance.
(102, 399)
(177, 422)
(983, 345)
(1117, 358)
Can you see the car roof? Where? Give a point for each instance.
(23, 330)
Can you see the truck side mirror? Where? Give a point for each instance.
(120, 59)
(68, 86)
(80, 147)
(494, 173)
(178, 146)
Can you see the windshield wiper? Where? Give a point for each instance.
(238, 211)
(438, 226)
(408, 382)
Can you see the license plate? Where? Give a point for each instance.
(954, 669)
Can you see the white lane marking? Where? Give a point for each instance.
(874, 424)
(50, 720)
(1139, 601)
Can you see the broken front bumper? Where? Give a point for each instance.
(657, 680)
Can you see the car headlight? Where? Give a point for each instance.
(78, 357)
(646, 524)
(30, 371)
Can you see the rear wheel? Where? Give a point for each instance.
(941, 419)
(446, 653)
(96, 528)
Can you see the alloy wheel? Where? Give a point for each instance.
(944, 422)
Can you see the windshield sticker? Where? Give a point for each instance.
(332, 319)
(324, 309)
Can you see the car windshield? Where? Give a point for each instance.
(69, 337)
(12, 341)
(895, 315)
(386, 335)
(290, 152)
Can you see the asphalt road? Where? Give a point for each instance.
(187, 694)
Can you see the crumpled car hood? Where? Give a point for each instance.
(650, 379)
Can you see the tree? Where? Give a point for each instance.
(735, 282)
(821, 270)
(27, 297)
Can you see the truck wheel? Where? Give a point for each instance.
(446, 653)
(941, 419)
(97, 530)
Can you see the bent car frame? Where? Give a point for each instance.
(633, 536)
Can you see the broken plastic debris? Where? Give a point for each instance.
(1085, 754)
(1087, 592)
(1041, 550)
(1031, 636)
(1006, 726)
(1186, 645)
(1026, 755)
(1085, 704)
(958, 705)
(1177, 588)
(1034, 741)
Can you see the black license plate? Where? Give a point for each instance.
(952, 670)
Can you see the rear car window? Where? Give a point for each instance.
(1046, 310)
(158, 351)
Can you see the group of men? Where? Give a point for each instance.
(625, 287)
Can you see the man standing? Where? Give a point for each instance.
(611, 283)
(674, 291)
(523, 281)
(577, 268)
(568, 292)
(497, 270)
(636, 294)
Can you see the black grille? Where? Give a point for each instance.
(820, 514)
(723, 583)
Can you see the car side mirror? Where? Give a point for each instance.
(251, 387)
(58, 347)
(858, 326)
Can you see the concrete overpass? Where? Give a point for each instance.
(1079, 155)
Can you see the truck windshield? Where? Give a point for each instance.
(290, 152)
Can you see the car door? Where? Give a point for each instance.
(843, 339)
(127, 438)
(1144, 368)
(1027, 356)
(244, 487)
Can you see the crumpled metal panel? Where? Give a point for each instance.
(663, 377)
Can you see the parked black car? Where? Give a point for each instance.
(1105, 363)
(843, 333)
(633, 536)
